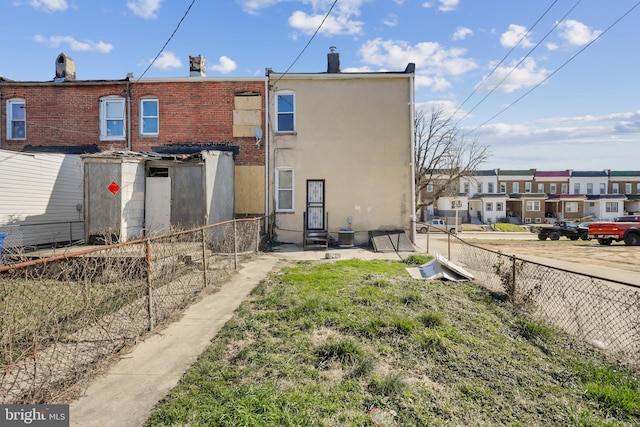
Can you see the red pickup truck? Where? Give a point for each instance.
(607, 232)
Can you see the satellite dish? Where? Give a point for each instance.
(258, 131)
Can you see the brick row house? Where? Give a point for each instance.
(304, 144)
(534, 196)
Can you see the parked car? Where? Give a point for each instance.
(438, 225)
(583, 228)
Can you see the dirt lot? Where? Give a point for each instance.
(618, 255)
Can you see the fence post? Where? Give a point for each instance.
(449, 246)
(513, 273)
(235, 244)
(70, 233)
(257, 221)
(149, 284)
(204, 259)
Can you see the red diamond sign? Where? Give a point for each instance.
(113, 187)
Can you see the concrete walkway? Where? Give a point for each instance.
(126, 394)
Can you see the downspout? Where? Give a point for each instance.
(129, 114)
(412, 234)
(266, 156)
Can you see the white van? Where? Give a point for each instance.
(436, 225)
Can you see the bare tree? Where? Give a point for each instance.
(442, 155)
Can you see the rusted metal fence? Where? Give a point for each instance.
(603, 312)
(62, 314)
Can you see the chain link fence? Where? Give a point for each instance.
(22, 238)
(603, 312)
(63, 314)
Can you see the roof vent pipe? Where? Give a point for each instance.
(333, 60)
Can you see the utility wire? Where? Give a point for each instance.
(502, 60)
(559, 68)
(168, 40)
(515, 67)
(308, 43)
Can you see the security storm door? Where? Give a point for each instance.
(315, 204)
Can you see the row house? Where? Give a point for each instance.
(314, 153)
(172, 115)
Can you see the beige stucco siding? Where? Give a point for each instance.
(356, 135)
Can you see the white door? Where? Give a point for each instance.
(157, 212)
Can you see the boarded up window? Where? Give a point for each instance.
(247, 114)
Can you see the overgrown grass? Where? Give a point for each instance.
(322, 344)
(501, 226)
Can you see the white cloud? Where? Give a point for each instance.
(167, 60)
(253, 7)
(50, 5)
(462, 33)
(339, 22)
(526, 75)
(552, 46)
(435, 65)
(75, 45)
(513, 35)
(225, 65)
(448, 5)
(576, 33)
(147, 9)
(391, 20)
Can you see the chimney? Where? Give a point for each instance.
(197, 66)
(65, 68)
(333, 60)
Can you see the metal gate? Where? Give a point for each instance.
(315, 204)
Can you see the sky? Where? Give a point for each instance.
(550, 85)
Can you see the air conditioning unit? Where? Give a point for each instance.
(19, 133)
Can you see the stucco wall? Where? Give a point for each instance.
(356, 135)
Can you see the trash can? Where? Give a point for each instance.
(2, 236)
(346, 238)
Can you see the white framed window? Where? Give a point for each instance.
(638, 188)
(516, 187)
(571, 207)
(466, 187)
(611, 207)
(488, 207)
(285, 111)
(503, 187)
(284, 190)
(552, 188)
(627, 188)
(112, 118)
(589, 188)
(533, 206)
(527, 220)
(149, 117)
(564, 188)
(479, 188)
(16, 119)
(540, 188)
(490, 187)
(615, 188)
(603, 188)
(576, 188)
(527, 187)
(499, 207)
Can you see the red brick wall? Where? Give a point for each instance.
(191, 112)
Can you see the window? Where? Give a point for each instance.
(429, 188)
(149, 117)
(611, 207)
(589, 188)
(284, 190)
(638, 188)
(516, 187)
(540, 188)
(111, 118)
(527, 187)
(479, 188)
(576, 188)
(16, 119)
(615, 188)
(503, 187)
(490, 185)
(466, 187)
(552, 188)
(603, 188)
(627, 188)
(499, 207)
(285, 112)
(533, 205)
(571, 207)
(564, 188)
(489, 206)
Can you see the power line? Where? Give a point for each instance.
(308, 43)
(168, 40)
(559, 68)
(522, 60)
(502, 60)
